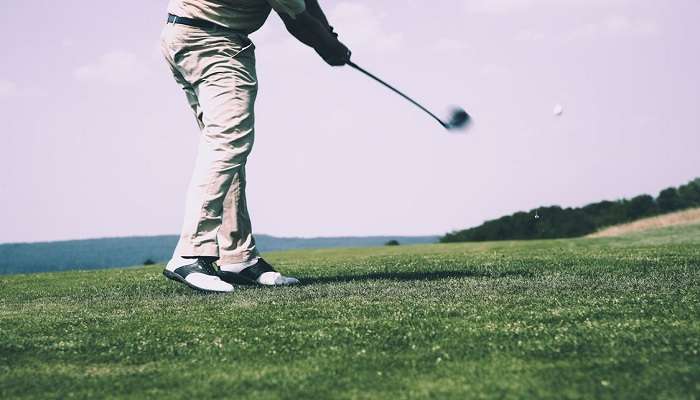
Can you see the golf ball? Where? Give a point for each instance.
(558, 110)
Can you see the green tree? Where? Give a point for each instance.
(669, 200)
(690, 193)
(641, 206)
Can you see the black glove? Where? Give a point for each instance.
(336, 55)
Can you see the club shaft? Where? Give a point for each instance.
(357, 67)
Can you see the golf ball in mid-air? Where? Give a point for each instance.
(558, 110)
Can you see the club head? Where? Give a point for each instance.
(459, 119)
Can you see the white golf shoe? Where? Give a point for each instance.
(197, 273)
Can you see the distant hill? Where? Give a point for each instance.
(556, 222)
(128, 251)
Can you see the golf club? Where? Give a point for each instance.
(458, 117)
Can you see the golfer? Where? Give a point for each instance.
(206, 45)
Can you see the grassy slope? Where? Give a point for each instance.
(613, 317)
(684, 217)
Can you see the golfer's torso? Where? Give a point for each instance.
(242, 15)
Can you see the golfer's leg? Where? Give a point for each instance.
(225, 87)
(197, 273)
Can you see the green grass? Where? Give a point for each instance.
(585, 318)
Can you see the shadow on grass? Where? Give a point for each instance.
(391, 276)
(411, 276)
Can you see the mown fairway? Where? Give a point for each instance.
(605, 318)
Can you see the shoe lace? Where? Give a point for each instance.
(207, 264)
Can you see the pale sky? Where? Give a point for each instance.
(97, 139)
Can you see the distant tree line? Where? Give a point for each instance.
(556, 222)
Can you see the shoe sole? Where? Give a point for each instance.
(178, 278)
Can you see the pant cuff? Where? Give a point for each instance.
(190, 250)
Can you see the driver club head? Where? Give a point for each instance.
(459, 119)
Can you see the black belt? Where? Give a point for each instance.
(198, 23)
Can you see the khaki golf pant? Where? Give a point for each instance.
(216, 70)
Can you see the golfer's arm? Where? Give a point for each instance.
(314, 9)
(309, 30)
